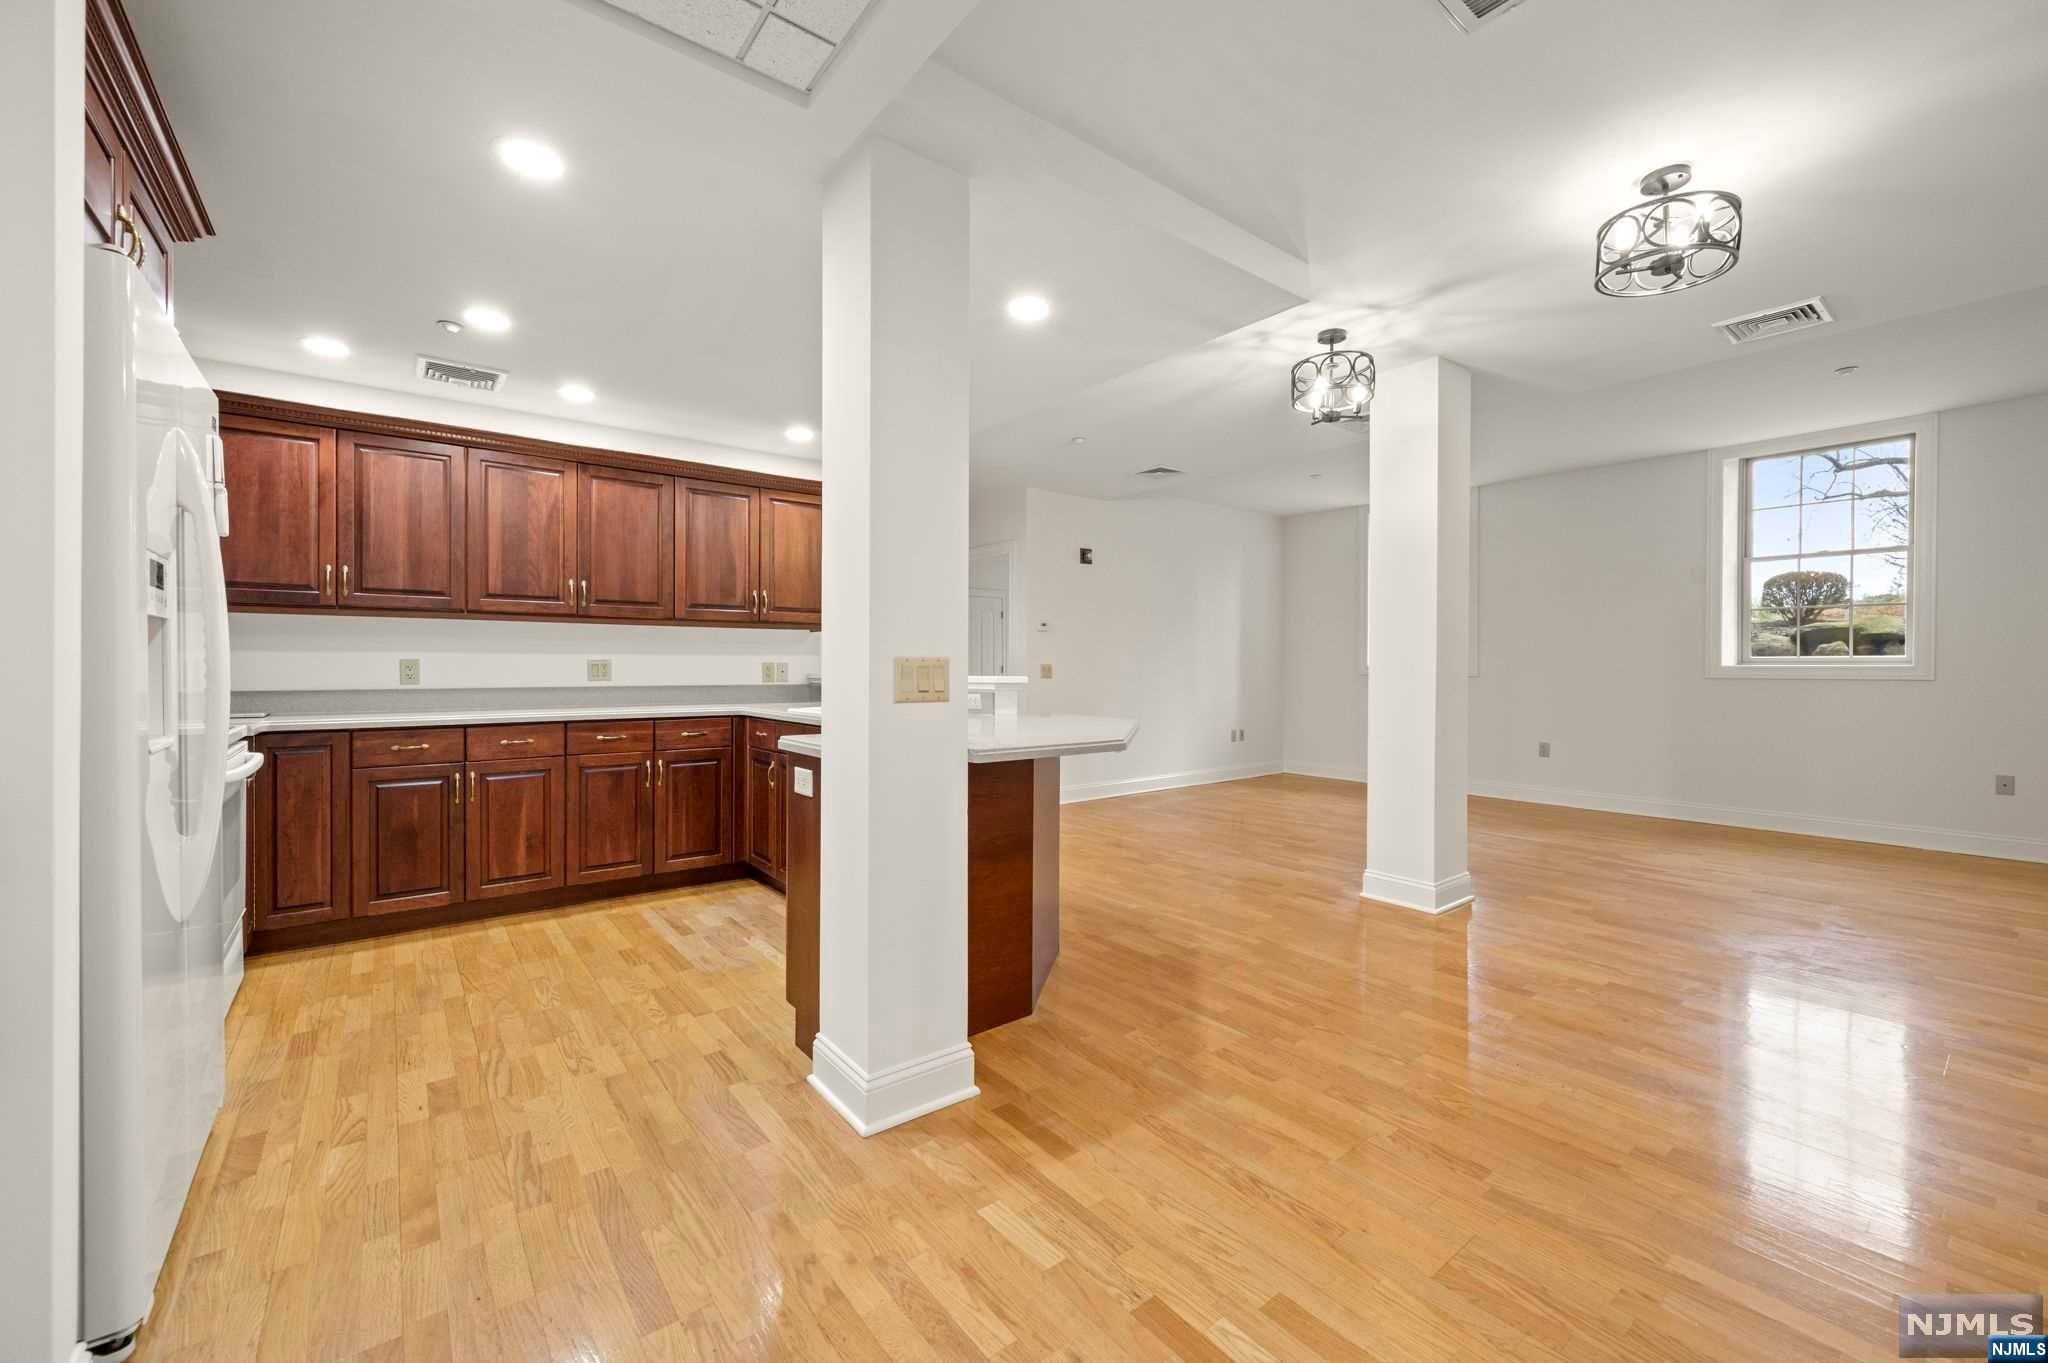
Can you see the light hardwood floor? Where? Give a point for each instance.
(1667, 1092)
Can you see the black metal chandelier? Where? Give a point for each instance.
(1337, 385)
(1677, 239)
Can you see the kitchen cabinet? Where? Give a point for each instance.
(693, 808)
(792, 555)
(610, 811)
(399, 513)
(517, 816)
(626, 543)
(280, 547)
(761, 784)
(715, 560)
(299, 830)
(406, 823)
(522, 534)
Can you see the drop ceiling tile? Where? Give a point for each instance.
(721, 25)
(786, 53)
(829, 19)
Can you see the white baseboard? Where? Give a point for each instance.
(876, 1102)
(1138, 785)
(1326, 772)
(1424, 896)
(1777, 821)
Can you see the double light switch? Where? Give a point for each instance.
(921, 680)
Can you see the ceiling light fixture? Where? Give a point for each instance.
(1336, 386)
(578, 393)
(450, 325)
(484, 317)
(326, 347)
(1028, 308)
(799, 434)
(1077, 440)
(533, 160)
(1847, 370)
(1674, 240)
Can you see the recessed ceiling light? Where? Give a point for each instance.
(799, 434)
(484, 317)
(326, 347)
(533, 160)
(576, 392)
(450, 325)
(1028, 308)
(1077, 440)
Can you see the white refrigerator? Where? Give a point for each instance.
(155, 708)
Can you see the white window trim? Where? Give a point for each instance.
(1726, 620)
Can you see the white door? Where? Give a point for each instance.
(988, 634)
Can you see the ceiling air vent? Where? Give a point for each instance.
(1159, 471)
(1470, 14)
(1761, 326)
(461, 375)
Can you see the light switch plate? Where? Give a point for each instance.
(598, 670)
(408, 671)
(922, 681)
(768, 672)
(1045, 671)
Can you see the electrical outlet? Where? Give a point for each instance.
(1045, 671)
(782, 672)
(408, 671)
(768, 673)
(2006, 785)
(598, 670)
(1543, 748)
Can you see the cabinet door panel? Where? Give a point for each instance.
(280, 546)
(628, 543)
(610, 827)
(763, 814)
(714, 556)
(407, 825)
(693, 809)
(155, 235)
(517, 822)
(792, 558)
(298, 830)
(522, 533)
(102, 171)
(399, 523)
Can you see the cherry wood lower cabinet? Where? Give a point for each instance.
(763, 801)
(518, 827)
(693, 804)
(610, 808)
(298, 831)
(407, 825)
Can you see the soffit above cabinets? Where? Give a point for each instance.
(789, 41)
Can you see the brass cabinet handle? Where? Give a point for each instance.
(410, 747)
(647, 773)
(661, 771)
(136, 250)
(569, 589)
(607, 738)
(455, 792)
(344, 579)
(472, 787)
(515, 742)
(327, 581)
(586, 592)
(773, 767)
(691, 733)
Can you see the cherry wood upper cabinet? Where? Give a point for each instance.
(280, 546)
(407, 824)
(298, 830)
(715, 552)
(792, 526)
(693, 803)
(517, 825)
(399, 523)
(103, 164)
(522, 533)
(627, 542)
(610, 822)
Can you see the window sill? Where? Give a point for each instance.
(1918, 669)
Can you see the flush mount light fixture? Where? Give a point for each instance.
(530, 159)
(1676, 239)
(1846, 370)
(578, 393)
(486, 318)
(450, 325)
(799, 434)
(1337, 385)
(326, 347)
(1028, 308)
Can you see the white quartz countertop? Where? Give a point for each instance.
(429, 719)
(1016, 738)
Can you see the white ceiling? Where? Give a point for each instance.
(1199, 185)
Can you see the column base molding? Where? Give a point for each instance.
(1424, 896)
(876, 1102)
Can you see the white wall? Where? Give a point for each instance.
(41, 160)
(1176, 624)
(337, 652)
(1323, 685)
(1593, 638)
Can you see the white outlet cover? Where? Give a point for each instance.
(801, 778)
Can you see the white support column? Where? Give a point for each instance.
(42, 165)
(1418, 578)
(892, 932)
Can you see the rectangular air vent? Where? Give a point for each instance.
(1159, 471)
(461, 375)
(1470, 14)
(1761, 326)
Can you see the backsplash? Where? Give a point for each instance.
(415, 700)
